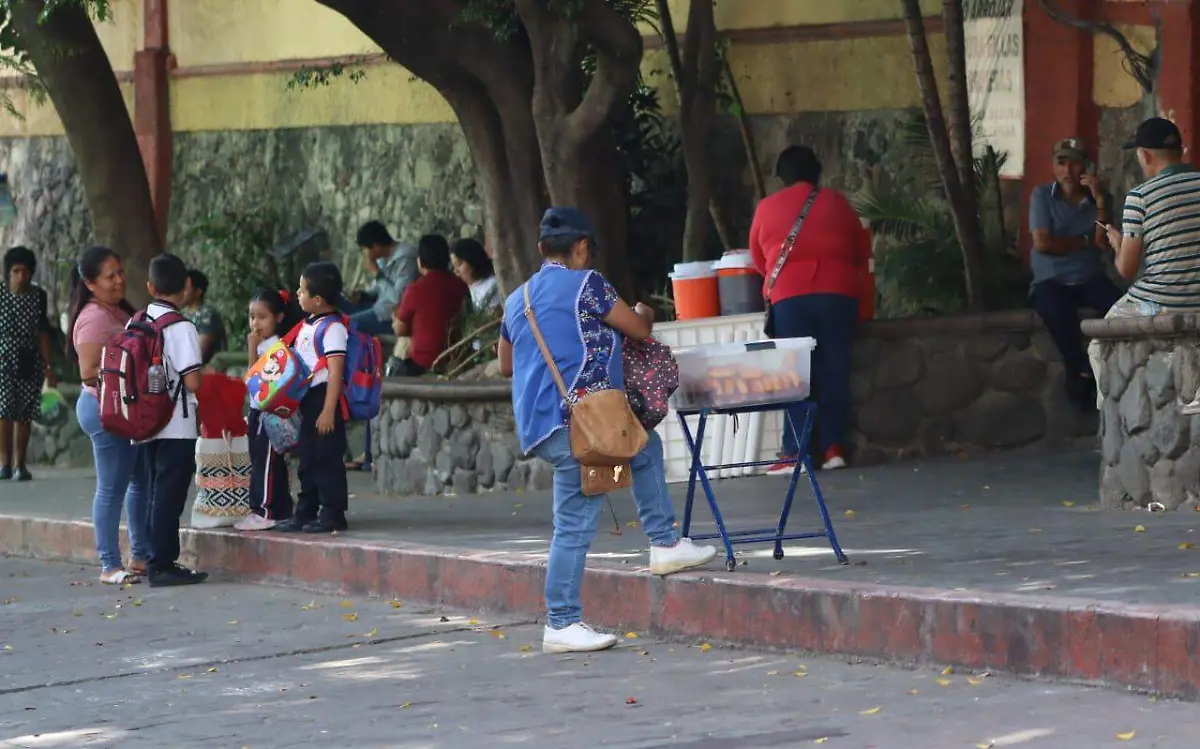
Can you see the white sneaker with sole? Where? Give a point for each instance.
(665, 560)
(253, 522)
(577, 638)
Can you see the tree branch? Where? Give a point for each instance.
(618, 48)
(1143, 68)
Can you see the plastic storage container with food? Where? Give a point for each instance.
(753, 373)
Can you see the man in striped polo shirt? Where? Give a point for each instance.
(1160, 230)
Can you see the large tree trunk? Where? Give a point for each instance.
(964, 210)
(69, 58)
(573, 124)
(695, 71)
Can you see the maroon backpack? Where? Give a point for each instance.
(651, 375)
(127, 407)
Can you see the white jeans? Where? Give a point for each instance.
(1126, 306)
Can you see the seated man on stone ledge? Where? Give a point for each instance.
(1160, 232)
(1066, 218)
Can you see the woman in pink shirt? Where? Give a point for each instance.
(98, 312)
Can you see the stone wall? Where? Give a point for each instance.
(928, 387)
(439, 438)
(415, 178)
(61, 443)
(1150, 449)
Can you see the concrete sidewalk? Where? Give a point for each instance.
(998, 562)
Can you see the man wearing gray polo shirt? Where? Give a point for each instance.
(1066, 218)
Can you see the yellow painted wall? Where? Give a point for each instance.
(1112, 85)
(780, 78)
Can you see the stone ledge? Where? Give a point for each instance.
(1142, 328)
(1009, 321)
(442, 391)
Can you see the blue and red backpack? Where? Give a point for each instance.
(364, 369)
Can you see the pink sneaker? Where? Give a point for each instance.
(254, 522)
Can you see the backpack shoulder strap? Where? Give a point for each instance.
(323, 325)
(290, 337)
(166, 320)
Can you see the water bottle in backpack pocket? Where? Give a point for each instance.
(136, 401)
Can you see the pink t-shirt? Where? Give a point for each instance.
(96, 324)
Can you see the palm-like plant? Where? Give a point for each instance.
(918, 261)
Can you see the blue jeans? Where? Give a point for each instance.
(118, 477)
(832, 319)
(576, 516)
(362, 314)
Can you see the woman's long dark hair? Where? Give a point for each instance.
(472, 253)
(87, 269)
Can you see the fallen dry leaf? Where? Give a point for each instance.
(631, 635)
(776, 573)
(395, 604)
(185, 676)
(1191, 574)
(351, 617)
(498, 634)
(372, 633)
(136, 602)
(772, 673)
(347, 604)
(631, 523)
(233, 621)
(406, 705)
(212, 670)
(1127, 736)
(310, 606)
(870, 711)
(1068, 504)
(526, 648)
(1035, 530)
(849, 513)
(110, 616)
(472, 622)
(821, 740)
(914, 691)
(974, 681)
(800, 673)
(948, 671)
(1139, 529)
(1185, 546)
(964, 507)
(705, 647)
(944, 682)
(988, 745)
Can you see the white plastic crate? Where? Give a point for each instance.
(746, 439)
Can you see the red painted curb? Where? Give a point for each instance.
(1148, 648)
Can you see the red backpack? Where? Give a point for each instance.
(127, 407)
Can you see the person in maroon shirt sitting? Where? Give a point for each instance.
(816, 293)
(430, 309)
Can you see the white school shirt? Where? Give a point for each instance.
(262, 349)
(181, 354)
(333, 343)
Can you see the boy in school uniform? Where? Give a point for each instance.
(323, 498)
(170, 457)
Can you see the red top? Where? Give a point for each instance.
(430, 307)
(831, 251)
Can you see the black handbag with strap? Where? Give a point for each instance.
(784, 252)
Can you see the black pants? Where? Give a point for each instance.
(1058, 305)
(322, 472)
(832, 319)
(270, 490)
(404, 368)
(170, 466)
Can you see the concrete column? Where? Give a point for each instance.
(1177, 82)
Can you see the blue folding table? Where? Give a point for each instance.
(778, 534)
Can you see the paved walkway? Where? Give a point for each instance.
(1001, 561)
(227, 665)
(1017, 523)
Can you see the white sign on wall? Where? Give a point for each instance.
(996, 78)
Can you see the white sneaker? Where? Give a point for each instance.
(665, 560)
(835, 462)
(577, 638)
(254, 522)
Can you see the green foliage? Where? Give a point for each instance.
(310, 77)
(918, 260)
(501, 16)
(233, 249)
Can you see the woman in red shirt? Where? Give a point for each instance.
(816, 292)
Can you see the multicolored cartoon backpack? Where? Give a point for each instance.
(364, 369)
(279, 379)
(651, 376)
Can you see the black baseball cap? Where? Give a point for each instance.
(1157, 134)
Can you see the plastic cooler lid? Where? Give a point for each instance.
(703, 269)
(742, 347)
(735, 259)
